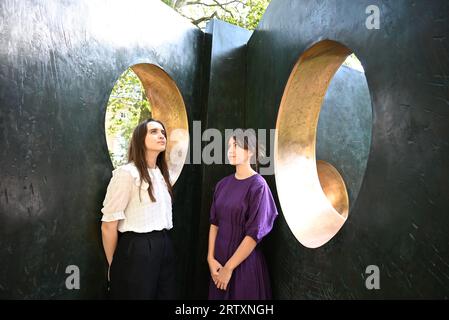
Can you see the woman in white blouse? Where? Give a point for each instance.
(137, 212)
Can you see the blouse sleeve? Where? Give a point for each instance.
(117, 195)
(261, 213)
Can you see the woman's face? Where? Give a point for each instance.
(155, 139)
(236, 154)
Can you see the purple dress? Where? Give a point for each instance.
(241, 208)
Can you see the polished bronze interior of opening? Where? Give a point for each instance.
(167, 106)
(313, 196)
(333, 187)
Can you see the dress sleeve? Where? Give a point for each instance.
(261, 212)
(213, 210)
(117, 195)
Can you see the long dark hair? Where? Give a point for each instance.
(136, 154)
(246, 139)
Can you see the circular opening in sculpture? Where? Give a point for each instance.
(144, 91)
(313, 191)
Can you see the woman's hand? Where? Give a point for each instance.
(214, 267)
(224, 275)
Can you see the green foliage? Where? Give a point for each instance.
(175, 4)
(249, 16)
(244, 13)
(353, 62)
(126, 108)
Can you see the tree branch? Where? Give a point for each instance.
(222, 6)
(198, 21)
(215, 4)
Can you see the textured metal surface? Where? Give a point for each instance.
(58, 63)
(399, 220)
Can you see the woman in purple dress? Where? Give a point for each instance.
(242, 213)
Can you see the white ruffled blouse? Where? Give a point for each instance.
(138, 215)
